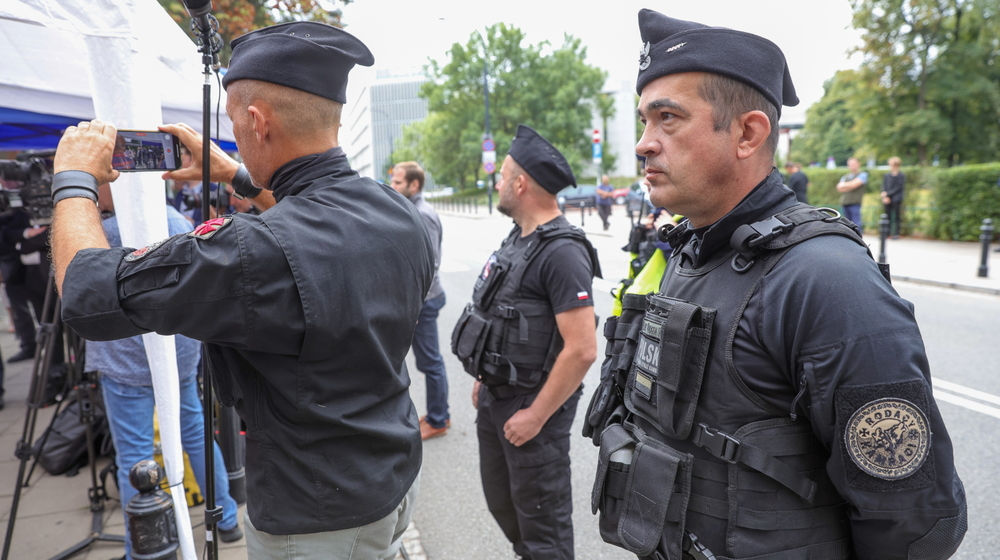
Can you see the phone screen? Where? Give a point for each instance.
(146, 150)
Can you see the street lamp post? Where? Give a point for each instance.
(487, 137)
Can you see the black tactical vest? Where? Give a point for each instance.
(504, 339)
(708, 467)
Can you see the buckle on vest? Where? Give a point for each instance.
(721, 445)
(507, 312)
(493, 359)
(766, 230)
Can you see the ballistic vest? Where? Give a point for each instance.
(714, 470)
(503, 338)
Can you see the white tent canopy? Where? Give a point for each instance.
(44, 67)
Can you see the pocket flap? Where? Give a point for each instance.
(649, 490)
(470, 336)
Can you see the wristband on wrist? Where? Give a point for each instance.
(242, 185)
(73, 184)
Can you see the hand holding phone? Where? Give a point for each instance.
(146, 150)
(223, 167)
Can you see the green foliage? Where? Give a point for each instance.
(943, 203)
(829, 127)
(552, 90)
(237, 17)
(964, 196)
(930, 80)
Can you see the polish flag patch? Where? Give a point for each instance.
(582, 295)
(208, 229)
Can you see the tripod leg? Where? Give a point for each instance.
(36, 397)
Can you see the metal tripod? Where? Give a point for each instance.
(84, 387)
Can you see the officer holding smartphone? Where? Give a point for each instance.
(303, 308)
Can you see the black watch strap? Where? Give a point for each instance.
(73, 184)
(242, 184)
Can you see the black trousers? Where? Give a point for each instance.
(528, 488)
(604, 211)
(895, 212)
(32, 292)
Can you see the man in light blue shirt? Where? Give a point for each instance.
(127, 386)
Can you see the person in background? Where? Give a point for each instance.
(605, 198)
(893, 189)
(127, 387)
(852, 191)
(797, 181)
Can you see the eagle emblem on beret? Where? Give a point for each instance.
(644, 57)
(888, 438)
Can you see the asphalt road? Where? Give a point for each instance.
(960, 332)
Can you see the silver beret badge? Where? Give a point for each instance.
(644, 57)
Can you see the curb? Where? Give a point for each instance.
(949, 285)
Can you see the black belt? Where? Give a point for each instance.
(502, 392)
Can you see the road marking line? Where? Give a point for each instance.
(971, 405)
(963, 390)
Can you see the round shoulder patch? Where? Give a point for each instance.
(888, 438)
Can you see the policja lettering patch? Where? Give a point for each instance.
(208, 229)
(888, 438)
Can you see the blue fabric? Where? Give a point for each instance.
(605, 201)
(125, 360)
(130, 416)
(427, 354)
(853, 213)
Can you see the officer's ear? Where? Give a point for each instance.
(261, 125)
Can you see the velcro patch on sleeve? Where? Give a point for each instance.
(209, 228)
(885, 435)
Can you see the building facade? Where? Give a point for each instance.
(376, 119)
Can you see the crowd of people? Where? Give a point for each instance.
(744, 410)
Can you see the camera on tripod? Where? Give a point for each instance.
(34, 171)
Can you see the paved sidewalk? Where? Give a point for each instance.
(54, 511)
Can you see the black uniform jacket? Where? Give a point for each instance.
(309, 310)
(824, 336)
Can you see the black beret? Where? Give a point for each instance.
(305, 55)
(540, 159)
(673, 46)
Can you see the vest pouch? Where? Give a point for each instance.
(666, 375)
(490, 280)
(606, 397)
(641, 491)
(468, 339)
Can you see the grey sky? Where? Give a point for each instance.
(815, 35)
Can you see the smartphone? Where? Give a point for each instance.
(146, 150)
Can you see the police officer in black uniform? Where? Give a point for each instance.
(308, 309)
(528, 338)
(773, 399)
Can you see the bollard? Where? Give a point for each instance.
(883, 234)
(986, 236)
(582, 211)
(150, 513)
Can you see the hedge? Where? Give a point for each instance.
(942, 203)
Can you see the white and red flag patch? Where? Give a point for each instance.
(582, 295)
(208, 229)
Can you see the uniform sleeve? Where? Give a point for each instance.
(850, 345)
(567, 275)
(232, 287)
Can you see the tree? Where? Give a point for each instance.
(829, 126)
(932, 78)
(552, 90)
(237, 17)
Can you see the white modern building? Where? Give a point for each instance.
(620, 137)
(375, 120)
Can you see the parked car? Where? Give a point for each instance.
(620, 195)
(577, 197)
